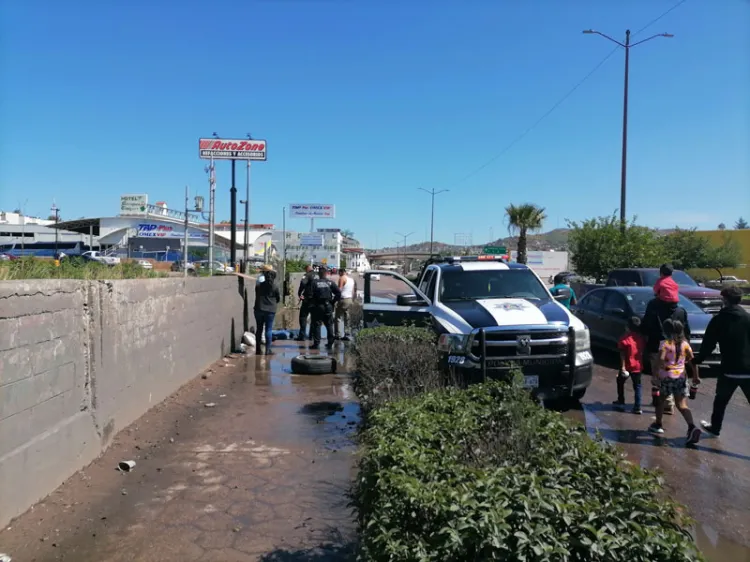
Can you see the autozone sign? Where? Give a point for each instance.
(232, 149)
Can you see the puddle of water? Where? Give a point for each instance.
(717, 548)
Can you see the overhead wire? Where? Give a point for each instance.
(559, 102)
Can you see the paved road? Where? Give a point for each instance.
(713, 479)
(261, 476)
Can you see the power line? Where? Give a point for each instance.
(559, 102)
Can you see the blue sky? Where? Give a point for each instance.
(362, 102)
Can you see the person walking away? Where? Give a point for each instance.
(325, 294)
(663, 307)
(632, 346)
(267, 299)
(348, 287)
(730, 328)
(675, 357)
(304, 294)
(562, 287)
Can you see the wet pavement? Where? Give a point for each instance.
(712, 479)
(260, 476)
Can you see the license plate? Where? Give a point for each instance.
(510, 363)
(531, 381)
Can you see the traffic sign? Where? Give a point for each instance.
(495, 250)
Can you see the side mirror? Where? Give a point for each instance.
(409, 300)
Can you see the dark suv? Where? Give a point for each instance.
(708, 299)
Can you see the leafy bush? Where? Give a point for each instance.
(485, 474)
(394, 362)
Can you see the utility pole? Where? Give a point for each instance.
(405, 236)
(211, 198)
(247, 213)
(245, 254)
(186, 243)
(432, 193)
(56, 210)
(283, 254)
(233, 218)
(627, 45)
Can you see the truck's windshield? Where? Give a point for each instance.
(680, 277)
(461, 285)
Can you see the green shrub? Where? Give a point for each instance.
(394, 362)
(35, 268)
(485, 474)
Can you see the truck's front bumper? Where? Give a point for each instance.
(546, 381)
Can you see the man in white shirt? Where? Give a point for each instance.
(348, 288)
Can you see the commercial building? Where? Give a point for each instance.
(325, 246)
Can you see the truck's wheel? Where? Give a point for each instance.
(313, 365)
(579, 394)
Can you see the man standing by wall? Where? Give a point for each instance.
(348, 287)
(325, 294)
(730, 328)
(304, 294)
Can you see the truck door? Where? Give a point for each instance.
(392, 300)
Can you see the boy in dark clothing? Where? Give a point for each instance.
(652, 326)
(631, 345)
(730, 328)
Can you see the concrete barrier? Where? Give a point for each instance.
(81, 360)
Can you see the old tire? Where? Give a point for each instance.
(313, 365)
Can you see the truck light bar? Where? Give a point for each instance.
(487, 257)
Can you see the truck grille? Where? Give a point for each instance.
(506, 344)
(710, 304)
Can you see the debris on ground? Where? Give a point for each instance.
(248, 338)
(4, 557)
(207, 374)
(125, 466)
(210, 404)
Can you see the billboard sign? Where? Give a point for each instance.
(151, 230)
(312, 211)
(133, 204)
(232, 149)
(311, 240)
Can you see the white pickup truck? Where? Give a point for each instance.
(101, 258)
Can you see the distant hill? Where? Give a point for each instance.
(553, 240)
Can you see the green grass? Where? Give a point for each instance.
(34, 268)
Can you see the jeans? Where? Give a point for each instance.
(304, 311)
(264, 321)
(342, 313)
(636, 378)
(725, 387)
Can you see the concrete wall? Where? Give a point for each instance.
(81, 360)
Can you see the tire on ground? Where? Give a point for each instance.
(313, 365)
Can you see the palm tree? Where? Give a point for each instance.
(521, 220)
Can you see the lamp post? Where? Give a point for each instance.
(56, 210)
(405, 236)
(245, 255)
(432, 193)
(627, 45)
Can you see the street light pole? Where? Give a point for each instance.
(55, 209)
(405, 236)
(246, 203)
(623, 171)
(432, 193)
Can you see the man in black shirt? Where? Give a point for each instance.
(325, 293)
(730, 328)
(304, 294)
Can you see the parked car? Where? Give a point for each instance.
(606, 311)
(491, 316)
(177, 266)
(100, 257)
(216, 266)
(731, 280)
(8, 257)
(145, 264)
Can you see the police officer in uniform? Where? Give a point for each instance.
(325, 293)
(304, 293)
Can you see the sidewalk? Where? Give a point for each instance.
(260, 476)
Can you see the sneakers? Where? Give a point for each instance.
(656, 429)
(619, 404)
(693, 436)
(637, 410)
(709, 428)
